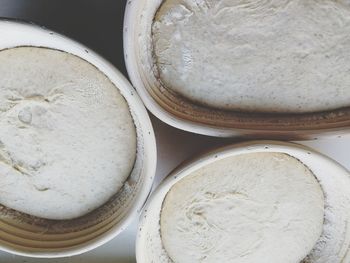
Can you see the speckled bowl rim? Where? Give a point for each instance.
(316, 161)
(19, 33)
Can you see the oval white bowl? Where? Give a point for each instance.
(334, 179)
(19, 237)
(188, 116)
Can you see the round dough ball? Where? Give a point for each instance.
(258, 207)
(261, 56)
(67, 137)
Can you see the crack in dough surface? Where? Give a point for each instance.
(67, 138)
(259, 207)
(249, 55)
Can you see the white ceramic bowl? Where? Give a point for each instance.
(186, 115)
(333, 178)
(23, 235)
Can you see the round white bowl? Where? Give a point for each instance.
(189, 116)
(21, 234)
(333, 178)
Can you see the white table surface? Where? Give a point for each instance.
(175, 146)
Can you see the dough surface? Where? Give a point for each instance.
(255, 55)
(258, 207)
(67, 137)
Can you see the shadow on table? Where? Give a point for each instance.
(95, 23)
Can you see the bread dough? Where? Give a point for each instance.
(261, 56)
(258, 207)
(67, 137)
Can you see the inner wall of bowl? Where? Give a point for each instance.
(186, 110)
(331, 245)
(23, 233)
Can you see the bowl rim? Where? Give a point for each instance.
(37, 36)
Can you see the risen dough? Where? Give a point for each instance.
(270, 56)
(259, 207)
(67, 138)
